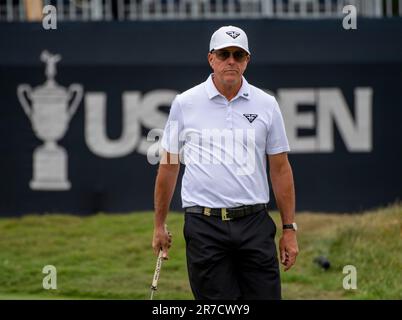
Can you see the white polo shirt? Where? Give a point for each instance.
(224, 144)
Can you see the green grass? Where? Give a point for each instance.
(110, 256)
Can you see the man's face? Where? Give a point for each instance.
(228, 64)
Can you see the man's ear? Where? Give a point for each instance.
(210, 59)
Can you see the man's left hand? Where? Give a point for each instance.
(288, 248)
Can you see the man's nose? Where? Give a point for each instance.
(231, 59)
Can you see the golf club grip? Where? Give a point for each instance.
(157, 270)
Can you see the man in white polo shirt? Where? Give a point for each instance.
(224, 130)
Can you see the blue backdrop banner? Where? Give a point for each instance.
(80, 107)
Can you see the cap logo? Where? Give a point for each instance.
(250, 117)
(233, 34)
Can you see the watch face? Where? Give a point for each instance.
(294, 226)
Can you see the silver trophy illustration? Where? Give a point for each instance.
(50, 108)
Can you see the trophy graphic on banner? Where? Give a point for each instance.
(50, 108)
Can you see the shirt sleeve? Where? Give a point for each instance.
(173, 128)
(277, 141)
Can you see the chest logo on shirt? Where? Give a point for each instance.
(233, 34)
(250, 116)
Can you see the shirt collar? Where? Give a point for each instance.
(212, 92)
(244, 91)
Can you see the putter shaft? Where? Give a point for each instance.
(155, 279)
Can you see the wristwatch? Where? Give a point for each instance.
(292, 226)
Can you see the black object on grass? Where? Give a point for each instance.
(323, 262)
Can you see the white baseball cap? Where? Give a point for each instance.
(229, 36)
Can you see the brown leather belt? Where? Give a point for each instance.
(227, 213)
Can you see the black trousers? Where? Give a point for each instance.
(230, 260)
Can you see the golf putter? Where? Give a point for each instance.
(158, 267)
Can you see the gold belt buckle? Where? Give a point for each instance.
(224, 214)
(207, 211)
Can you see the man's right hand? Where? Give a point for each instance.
(162, 240)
